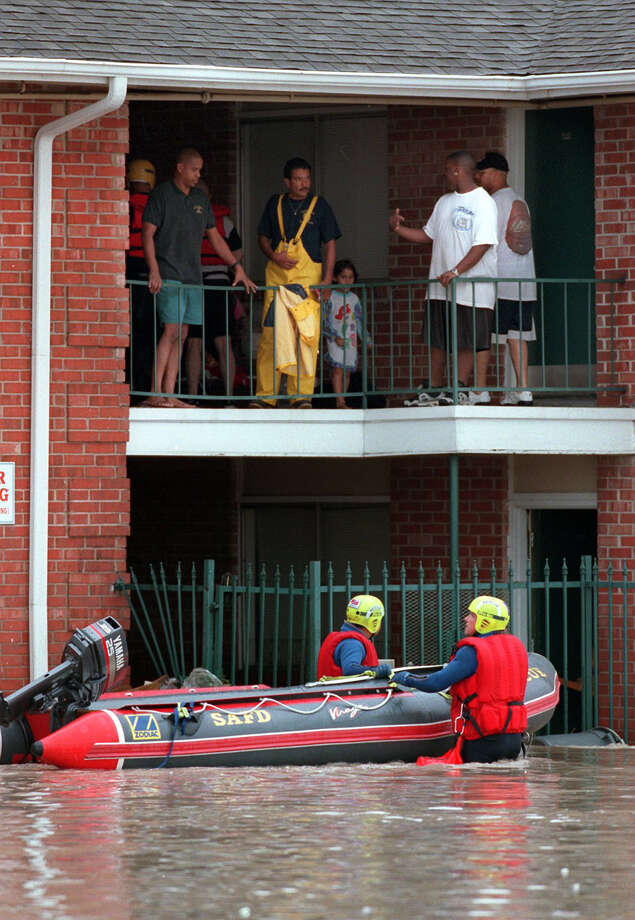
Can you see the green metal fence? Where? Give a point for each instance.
(267, 627)
(394, 315)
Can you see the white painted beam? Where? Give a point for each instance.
(380, 432)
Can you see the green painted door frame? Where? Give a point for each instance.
(560, 191)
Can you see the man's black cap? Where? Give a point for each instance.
(493, 160)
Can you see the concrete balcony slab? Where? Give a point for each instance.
(380, 432)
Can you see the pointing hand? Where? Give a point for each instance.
(395, 220)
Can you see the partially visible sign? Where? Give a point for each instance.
(7, 493)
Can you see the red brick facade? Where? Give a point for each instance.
(89, 493)
(421, 515)
(615, 256)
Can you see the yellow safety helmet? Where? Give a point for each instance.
(491, 613)
(141, 171)
(365, 610)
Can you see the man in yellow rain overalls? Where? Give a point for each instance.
(291, 233)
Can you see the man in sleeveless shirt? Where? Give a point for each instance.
(297, 234)
(515, 259)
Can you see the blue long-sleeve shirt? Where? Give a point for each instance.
(349, 653)
(462, 665)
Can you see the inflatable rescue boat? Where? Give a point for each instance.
(354, 720)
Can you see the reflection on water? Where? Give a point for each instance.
(550, 837)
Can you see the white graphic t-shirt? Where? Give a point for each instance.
(458, 222)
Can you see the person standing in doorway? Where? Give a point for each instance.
(515, 259)
(462, 231)
(175, 218)
(292, 232)
(487, 676)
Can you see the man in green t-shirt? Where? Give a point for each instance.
(175, 219)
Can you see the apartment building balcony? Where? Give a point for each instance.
(574, 366)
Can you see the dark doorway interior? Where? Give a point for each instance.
(557, 536)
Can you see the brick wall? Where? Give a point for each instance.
(616, 547)
(615, 242)
(420, 520)
(615, 256)
(88, 514)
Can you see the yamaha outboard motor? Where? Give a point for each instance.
(94, 661)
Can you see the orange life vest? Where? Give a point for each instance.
(491, 701)
(326, 666)
(208, 253)
(138, 203)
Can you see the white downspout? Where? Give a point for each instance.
(41, 364)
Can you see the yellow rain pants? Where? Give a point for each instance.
(305, 272)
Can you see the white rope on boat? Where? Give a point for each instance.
(328, 695)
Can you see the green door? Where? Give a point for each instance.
(559, 158)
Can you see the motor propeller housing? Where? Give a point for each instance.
(94, 660)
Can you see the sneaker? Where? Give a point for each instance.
(518, 398)
(481, 398)
(429, 399)
(422, 399)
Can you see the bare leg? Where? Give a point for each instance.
(482, 363)
(465, 364)
(193, 362)
(519, 354)
(437, 365)
(226, 362)
(169, 355)
(337, 377)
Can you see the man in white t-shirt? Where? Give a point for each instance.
(515, 259)
(462, 230)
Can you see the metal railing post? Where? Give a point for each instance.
(455, 344)
(586, 633)
(453, 486)
(208, 608)
(315, 625)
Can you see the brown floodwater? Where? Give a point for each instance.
(550, 837)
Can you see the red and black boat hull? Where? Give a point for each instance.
(354, 723)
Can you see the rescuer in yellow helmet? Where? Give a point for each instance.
(350, 650)
(487, 676)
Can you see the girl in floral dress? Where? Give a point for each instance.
(343, 328)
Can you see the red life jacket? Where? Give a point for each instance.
(138, 203)
(326, 666)
(208, 253)
(490, 701)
